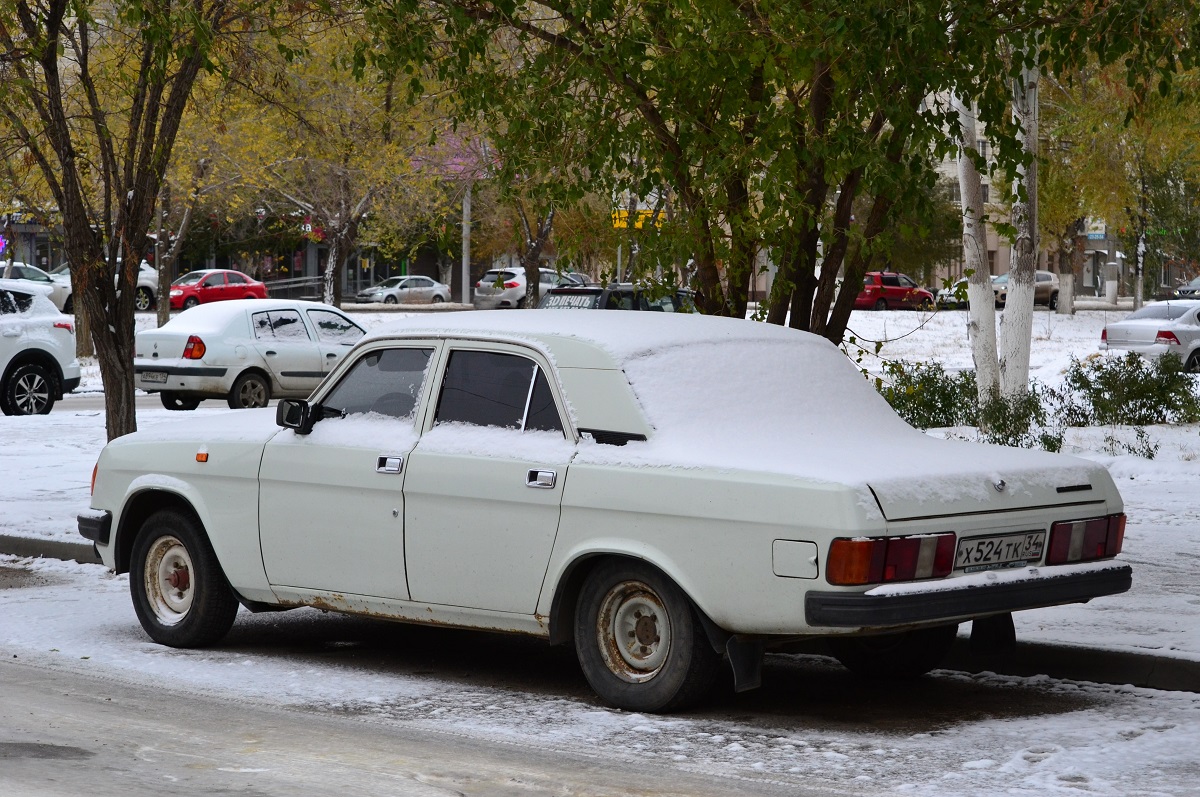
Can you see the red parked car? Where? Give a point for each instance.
(214, 285)
(887, 290)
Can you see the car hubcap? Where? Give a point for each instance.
(633, 631)
(169, 583)
(31, 394)
(253, 395)
(142, 300)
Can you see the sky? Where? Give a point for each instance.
(1073, 737)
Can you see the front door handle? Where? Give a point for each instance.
(331, 356)
(386, 464)
(543, 479)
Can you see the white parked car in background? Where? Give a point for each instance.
(405, 290)
(505, 287)
(1157, 329)
(145, 298)
(579, 477)
(37, 350)
(245, 351)
(59, 288)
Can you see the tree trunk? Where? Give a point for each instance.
(332, 269)
(981, 321)
(1016, 327)
(531, 254)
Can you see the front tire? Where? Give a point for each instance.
(143, 299)
(190, 302)
(1054, 301)
(639, 641)
(69, 305)
(249, 391)
(389, 299)
(29, 390)
(928, 306)
(174, 401)
(903, 655)
(179, 593)
(881, 304)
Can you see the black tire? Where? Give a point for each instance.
(389, 299)
(190, 302)
(1054, 301)
(179, 591)
(174, 401)
(69, 305)
(908, 654)
(437, 299)
(30, 390)
(1192, 366)
(667, 662)
(524, 300)
(928, 306)
(143, 299)
(881, 304)
(250, 390)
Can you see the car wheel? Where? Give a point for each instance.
(1193, 363)
(179, 592)
(437, 299)
(29, 390)
(389, 299)
(524, 300)
(639, 641)
(928, 306)
(190, 302)
(1054, 301)
(174, 401)
(907, 654)
(69, 305)
(881, 304)
(250, 390)
(143, 299)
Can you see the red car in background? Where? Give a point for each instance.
(887, 290)
(214, 285)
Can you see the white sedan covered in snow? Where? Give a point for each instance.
(245, 351)
(666, 493)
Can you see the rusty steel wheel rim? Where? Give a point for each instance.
(633, 630)
(169, 581)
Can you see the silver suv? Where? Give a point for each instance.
(505, 287)
(37, 350)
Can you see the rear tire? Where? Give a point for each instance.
(69, 305)
(249, 391)
(174, 401)
(1054, 301)
(179, 592)
(639, 641)
(143, 299)
(907, 654)
(30, 390)
(1193, 363)
(437, 299)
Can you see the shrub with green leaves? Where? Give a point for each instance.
(1022, 421)
(927, 397)
(1128, 390)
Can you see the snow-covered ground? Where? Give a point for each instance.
(1067, 738)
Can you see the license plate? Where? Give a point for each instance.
(1007, 550)
(155, 376)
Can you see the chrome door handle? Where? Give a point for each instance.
(543, 479)
(386, 464)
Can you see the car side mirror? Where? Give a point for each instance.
(295, 414)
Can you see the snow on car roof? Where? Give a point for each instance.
(217, 315)
(41, 304)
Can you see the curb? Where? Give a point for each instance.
(1117, 668)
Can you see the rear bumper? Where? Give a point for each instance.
(860, 610)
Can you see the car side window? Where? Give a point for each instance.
(333, 328)
(891, 280)
(907, 282)
(235, 279)
(213, 281)
(493, 389)
(386, 382)
(7, 305)
(279, 325)
(15, 302)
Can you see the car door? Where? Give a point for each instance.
(331, 503)
(236, 286)
(283, 342)
(420, 290)
(335, 335)
(909, 296)
(484, 484)
(211, 288)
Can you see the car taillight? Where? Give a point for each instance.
(95, 468)
(1104, 335)
(878, 560)
(1166, 336)
(512, 285)
(65, 325)
(1084, 540)
(194, 350)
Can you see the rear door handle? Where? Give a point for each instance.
(543, 479)
(386, 464)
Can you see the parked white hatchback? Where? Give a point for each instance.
(245, 351)
(405, 290)
(580, 477)
(37, 350)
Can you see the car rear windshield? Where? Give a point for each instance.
(1160, 310)
(494, 276)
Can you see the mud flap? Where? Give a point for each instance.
(995, 634)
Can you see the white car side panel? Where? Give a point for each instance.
(602, 399)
